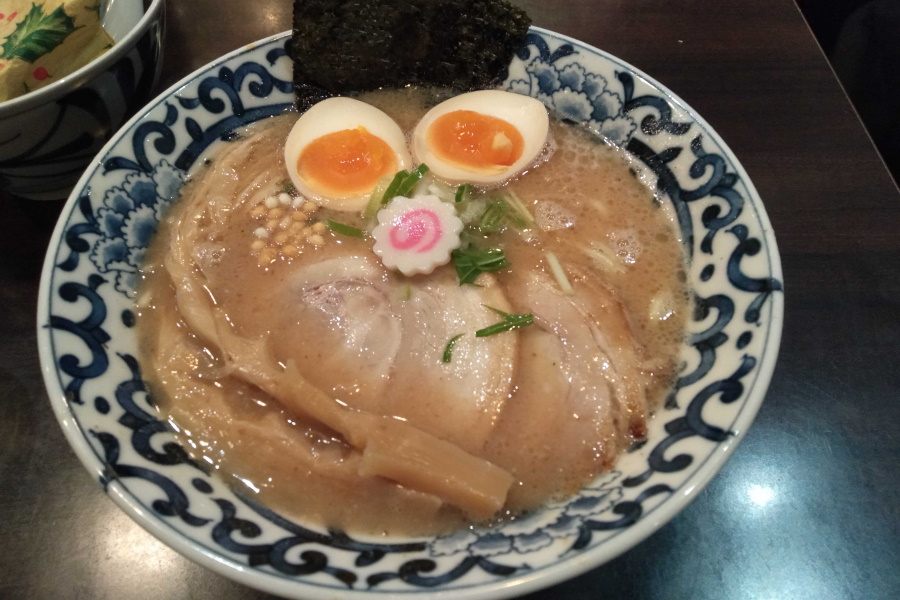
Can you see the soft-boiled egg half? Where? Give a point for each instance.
(481, 137)
(340, 148)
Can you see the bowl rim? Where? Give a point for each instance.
(542, 578)
(57, 89)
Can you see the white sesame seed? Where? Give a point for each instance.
(284, 198)
(285, 223)
(261, 232)
(271, 202)
(298, 200)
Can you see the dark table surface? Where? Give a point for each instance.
(824, 446)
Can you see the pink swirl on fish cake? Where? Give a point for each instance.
(412, 227)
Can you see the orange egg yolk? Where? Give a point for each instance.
(475, 141)
(346, 163)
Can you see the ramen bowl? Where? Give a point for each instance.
(91, 364)
(48, 136)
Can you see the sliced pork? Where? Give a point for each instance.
(582, 400)
(376, 341)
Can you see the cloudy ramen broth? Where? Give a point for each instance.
(301, 369)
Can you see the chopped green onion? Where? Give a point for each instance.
(501, 211)
(410, 182)
(377, 194)
(396, 182)
(463, 192)
(343, 229)
(494, 217)
(519, 206)
(516, 219)
(449, 349)
(472, 211)
(472, 262)
(559, 274)
(509, 322)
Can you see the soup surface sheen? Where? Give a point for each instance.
(230, 276)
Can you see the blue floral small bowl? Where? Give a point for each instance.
(90, 357)
(49, 136)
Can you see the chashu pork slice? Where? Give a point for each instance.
(375, 341)
(581, 400)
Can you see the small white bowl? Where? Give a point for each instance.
(48, 136)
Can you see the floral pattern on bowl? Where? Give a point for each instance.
(89, 350)
(128, 219)
(571, 91)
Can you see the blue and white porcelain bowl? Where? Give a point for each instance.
(90, 359)
(49, 136)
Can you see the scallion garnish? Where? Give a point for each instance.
(344, 229)
(494, 217)
(516, 219)
(472, 262)
(400, 184)
(410, 182)
(471, 212)
(519, 207)
(462, 192)
(377, 194)
(559, 273)
(448, 350)
(509, 321)
(391, 190)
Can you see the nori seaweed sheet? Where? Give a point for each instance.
(346, 46)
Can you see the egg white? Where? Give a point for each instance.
(337, 114)
(527, 115)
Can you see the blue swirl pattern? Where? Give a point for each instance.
(117, 213)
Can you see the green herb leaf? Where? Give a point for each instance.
(37, 34)
(472, 262)
(411, 180)
(344, 229)
(449, 349)
(509, 321)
